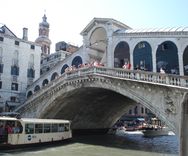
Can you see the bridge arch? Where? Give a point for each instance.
(167, 57)
(142, 56)
(185, 61)
(54, 76)
(96, 91)
(121, 54)
(77, 61)
(63, 68)
(37, 88)
(45, 82)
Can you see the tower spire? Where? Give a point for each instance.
(43, 38)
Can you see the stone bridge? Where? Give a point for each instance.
(95, 97)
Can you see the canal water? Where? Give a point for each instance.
(106, 145)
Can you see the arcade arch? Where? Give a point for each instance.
(121, 54)
(45, 82)
(77, 61)
(63, 68)
(37, 88)
(167, 58)
(54, 76)
(30, 93)
(98, 45)
(185, 61)
(142, 56)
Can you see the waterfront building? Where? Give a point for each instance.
(19, 67)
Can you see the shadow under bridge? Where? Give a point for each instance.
(89, 109)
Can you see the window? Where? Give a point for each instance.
(130, 111)
(14, 70)
(32, 47)
(29, 128)
(142, 110)
(0, 84)
(61, 128)
(38, 128)
(66, 127)
(47, 128)
(14, 86)
(13, 99)
(30, 73)
(17, 43)
(54, 127)
(1, 38)
(146, 110)
(1, 68)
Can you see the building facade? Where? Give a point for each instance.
(19, 67)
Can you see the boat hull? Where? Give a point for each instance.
(150, 133)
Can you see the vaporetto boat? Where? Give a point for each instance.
(28, 131)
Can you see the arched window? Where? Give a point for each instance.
(54, 76)
(63, 68)
(45, 82)
(121, 54)
(77, 61)
(142, 56)
(167, 58)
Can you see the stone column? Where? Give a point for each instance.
(109, 53)
(184, 129)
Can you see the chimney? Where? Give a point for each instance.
(25, 31)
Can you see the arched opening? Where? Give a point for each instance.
(45, 82)
(63, 68)
(121, 54)
(142, 56)
(54, 76)
(30, 93)
(98, 45)
(37, 88)
(167, 58)
(185, 61)
(77, 61)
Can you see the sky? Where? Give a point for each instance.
(67, 18)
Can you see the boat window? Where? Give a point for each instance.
(29, 128)
(54, 127)
(38, 128)
(61, 128)
(66, 127)
(47, 128)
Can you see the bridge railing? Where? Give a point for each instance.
(167, 79)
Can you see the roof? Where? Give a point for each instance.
(95, 20)
(35, 120)
(167, 29)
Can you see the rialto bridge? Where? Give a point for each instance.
(95, 97)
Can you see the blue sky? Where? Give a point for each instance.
(68, 18)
